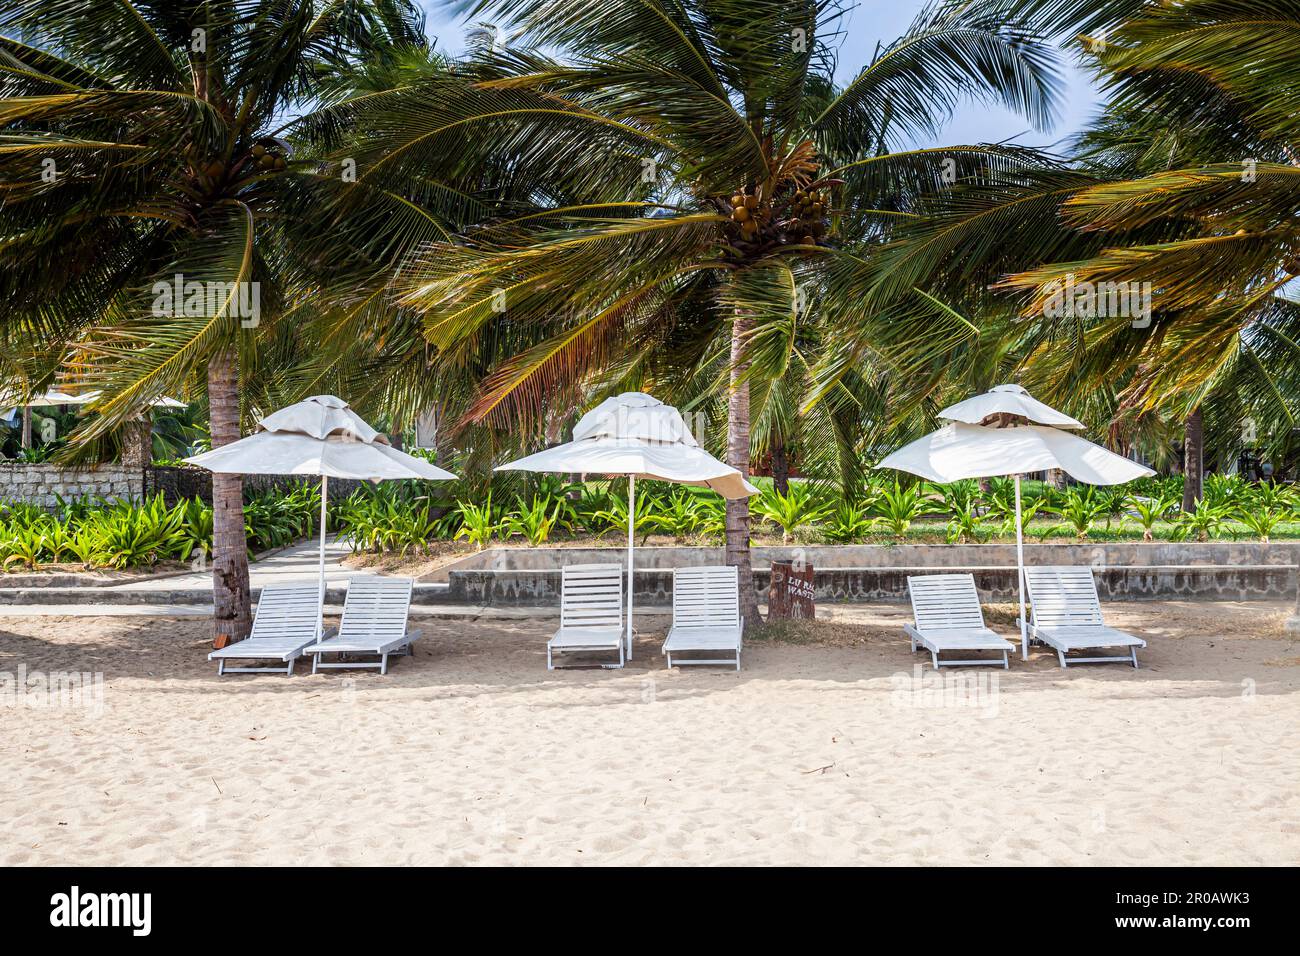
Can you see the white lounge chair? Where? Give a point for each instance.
(947, 615)
(706, 616)
(285, 623)
(374, 621)
(591, 613)
(1066, 616)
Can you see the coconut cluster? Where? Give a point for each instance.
(744, 211)
(257, 161)
(809, 209)
(267, 159)
(801, 218)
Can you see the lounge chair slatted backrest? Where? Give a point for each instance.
(591, 596)
(286, 612)
(376, 609)
(1064, 597)
(286, 622)
(945, 601)
(706, 597)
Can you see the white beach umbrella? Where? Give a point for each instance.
(53, 396)
(321, 436)
(636, 435)
(965, 450)
(11, 402)
(1007, 400)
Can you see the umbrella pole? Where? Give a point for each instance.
(320, 603)
(631, 525)
(1020, 575)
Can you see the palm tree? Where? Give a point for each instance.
(1217, 238)
(1188, 185)
(142, 142)
(719, 181)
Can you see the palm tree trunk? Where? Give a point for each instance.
(780, 467)
(137, 442)
(1193, 461)
(738, 458)
(26, 438)
(232, 604)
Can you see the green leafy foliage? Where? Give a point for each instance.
(406, 517)
(535, 520)
(849, 522)
(477, 523)
(1080, 510)
(1204, 524)
(1148, 511)
(797, 508)
(898, 506)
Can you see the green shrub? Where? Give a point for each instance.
(534, 521)
(898, 506)
(849, 522)
(966, 526)
(1205, 524)
(1080, 510)
(477, 524)
(789, 512)
(1149, 511)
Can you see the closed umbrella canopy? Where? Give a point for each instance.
(1007, 400)
(321, 436)
(1009, 446)
(636, 435)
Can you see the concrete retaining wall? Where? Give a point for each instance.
(964, 556)
(1236, 571)
(42, 484)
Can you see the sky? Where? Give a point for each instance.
(870, 22)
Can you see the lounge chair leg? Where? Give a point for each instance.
(221, 668)
(737, 660)
(289, 670)
(1135, 657)
(550, 666)
(1061, 655)
(315, 660)
(1006, 665)
(934, 656)
(383, 665)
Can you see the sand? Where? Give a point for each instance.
(819, 752)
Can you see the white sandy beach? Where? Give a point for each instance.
(813, 754)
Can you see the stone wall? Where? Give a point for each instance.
(1124, 571)
(515, 588)
(961, 557)
(42, 484)
(38, 484)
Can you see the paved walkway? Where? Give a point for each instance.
(299, 562)
(296, 563)
(424, 612)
